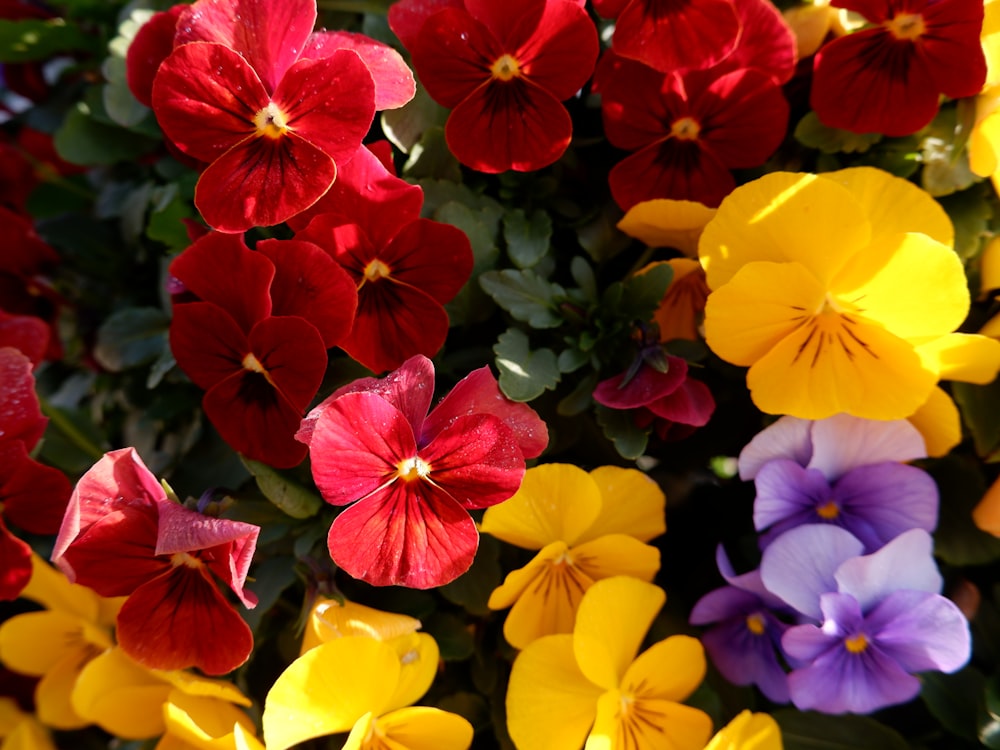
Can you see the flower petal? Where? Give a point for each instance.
(677, 35)
(921, 631)
(20, 414)
(120, 696)
(668, 670)
(394, 84)
(631, 503)
(906, 562)
(426, 728)
(842, 443)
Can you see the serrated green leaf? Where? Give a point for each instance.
(472, 589)
(291, 497)
(33, 39)
(583, 275)
(620, 428)
(524, 374)
(945, 159)
(809, 730)
(571, 360)
(527, 237)
(814, 134)
(600, 236)
(471, 304)
(131, 337)
(957, 540)
(526, 296)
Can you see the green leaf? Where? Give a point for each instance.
(571, 360)
(452, 636)
(600, 236)
(268, 580)
(472, 589)
(527, 237)
(809, 730)
(33, 39)
(970, 211)
(524, 374)
(620, 428)
(291, 497)
(955, 699)
(579, 398)
(814, 134)
(642, 294)
(584, 277)
(405, 125)
(131, 337)
(945, 159)
(83, 140)
(166, 219)
(471, 706)
(989, 717)
(979, 405)
(957, 540)
(471, 305)
(431, 157)
(526, 296)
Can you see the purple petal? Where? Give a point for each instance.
(881, 501)
(721, 604)
(921, 631)
(787, 438)
(839, 681)
(749, 581)
(841, 614)
(748, 658)
(799, 565)
(904, 563)
(842, 442)
(807, 643)
(785, 491)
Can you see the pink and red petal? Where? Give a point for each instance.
(646, 386)
(479, 393)
(150, 46)
(20, 413)
(394, 84)
(220, 268)
(357, 445)
(205, 97)
(292, 353)
(15, 564)
(408, 534)
(509, 125)
(270, 34)
(33, 496)
(309, 284)
(180, 620)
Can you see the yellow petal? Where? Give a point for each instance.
(363, 729)
(626, 723)
(10, 715)
(909, 283)
(550, 704)
(121, 697)
(631, 503)
(207, 723)
(810, 24)
(986, 514)
(50, 588)
(425, 728)
(989, 265)
(330, 619)
(616, 555)
(328, 688)
(962, 356)
(54, 693)
(784, 217)
(548, 602)
(667, 223)
(670, 670)
(748, 731)
(33, 642)
(611, 622)
(990, 37)
(763, 304)
(195, 684)
(556, 502)
(939, 423)
(418, 657)
(517, 581)
(28, 735)
(984, 141)
(894, 205)
(840, 364)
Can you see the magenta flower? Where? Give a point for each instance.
(411, 477)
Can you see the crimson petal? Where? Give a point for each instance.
(150, 46)
(670, 169)
(15, 564)
(435, 258)
(453, 54)
(33, 496)
(394, 84)
(20, 413)
(690, 404)
(647, 385)
(407, 17)
(558, 51)
(26, 333)
(207, 343)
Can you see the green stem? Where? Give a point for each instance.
(67, 428)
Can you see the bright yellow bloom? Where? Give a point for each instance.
(21, 731)
(667, 223)
(591, 687)
(748, 732)
(984, 140)
(56, 644)
(360, 684)
(587, 527)
(329, 619)
(840, 292)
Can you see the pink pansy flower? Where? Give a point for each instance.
(271, 107)
(412, 476)
(122, 536)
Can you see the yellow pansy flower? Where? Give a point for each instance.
(586, 527)
(748, 731)
(841, 293)
(329, 618)
(590, 687)
(20, 730)
(359, 684)
(665, 222)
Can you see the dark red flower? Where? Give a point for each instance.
(413, 476)
(503, 69)
(887, 78)
(122, 536)
(688, 129)
(405, 267)
(150, 46)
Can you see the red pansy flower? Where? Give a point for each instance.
(503, 69)
(151, 45)
(26, 333)
(888, 78)
(673, 403)
(673, 34)
(17, 177)
(122, 536)
(412, 476)
(405, 268)
(256, 338)
(688, 129)
(272, 122)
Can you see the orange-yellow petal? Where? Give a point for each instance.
(616, 555)
(418, 657)
(967, 357)
(424, 728)
(680, 311)
(121, 697)
(208, 723)
(626, 723)
(54, 693)
(330, 619)
(668, 223)
(989, 265)
(670, 670)
(986, 514)
(939, 423)
(748, 731)
(631, 503)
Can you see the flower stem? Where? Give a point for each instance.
(69, 430)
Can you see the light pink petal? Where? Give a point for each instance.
(842, 442)
(789, 437)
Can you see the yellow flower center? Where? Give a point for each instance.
(685, 129)
(376, 270)
(505, 68)
(412, 469)
(183, 558)
(251, 363)
(756, 624)
(906, 26)
(828, 510)
(640, 724)
(271, 122)
(856, 643)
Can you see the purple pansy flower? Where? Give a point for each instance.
(879, 618)
(745, 644)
